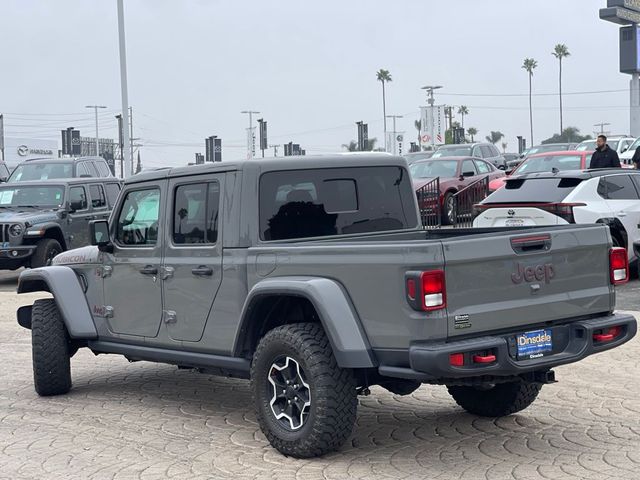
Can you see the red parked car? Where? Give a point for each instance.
(455, 173)
(546, 162)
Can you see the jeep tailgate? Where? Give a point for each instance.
(525, 278)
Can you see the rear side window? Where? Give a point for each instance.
(113, 189)
(91, 168)
(617, 187)
(103, 169)
(98, 200)
(468, 166)
(195, 213)
(534, 190)
(487, 152)
(335, 201)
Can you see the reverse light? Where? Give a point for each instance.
(618, 265)
(426, 291)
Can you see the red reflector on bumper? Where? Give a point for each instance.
(456, 359)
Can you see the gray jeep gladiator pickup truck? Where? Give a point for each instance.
(312, 277)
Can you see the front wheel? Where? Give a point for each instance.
(497, 401)
(449, 209)
(45, 251)
(305, 403)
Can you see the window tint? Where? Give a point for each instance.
(534, 190)
(477, 152)
(138, 218)
(547, 163)
(487, 152)
(434, 168)
(41, 171)
(78, 198)
(98, 199)
(103, 169)
(617, 187)
(92, 169)
(468, 166)
(195, 213)
(113, 189)
(483, 167)
(452, 151)
(335, 201)
(81, 170)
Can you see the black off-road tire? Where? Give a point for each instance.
(501, 400)
(50, 349)
(46, 250)
(333, 393)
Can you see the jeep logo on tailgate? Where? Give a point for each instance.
(532, 273)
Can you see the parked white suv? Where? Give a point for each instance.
(627, 155)
(619, 144)
(609, 196)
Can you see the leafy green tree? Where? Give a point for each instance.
(560, 51)
(472, 131)
(383, 76)
(352, 146)
(462, 111)
(569, 135)
(530, 65)
(495, 137)
(418, 125)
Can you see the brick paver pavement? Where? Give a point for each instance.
(146, 421)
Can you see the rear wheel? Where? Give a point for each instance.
(45, 251)
(49, 349)
(496, 401)
(305, 403)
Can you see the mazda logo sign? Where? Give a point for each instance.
(23, 150)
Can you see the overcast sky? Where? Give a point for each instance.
(309, 67)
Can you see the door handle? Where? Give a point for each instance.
(202, 271)
(149, 270)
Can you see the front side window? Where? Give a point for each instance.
(78, 198)
(487, 152)
(41, 171)
(483, 167)
(195, 213)
(138, 219)
(98, 200)
(103, 169)
(468, 167)
(335, 201)
(91, 168)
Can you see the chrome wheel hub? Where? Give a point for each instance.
(290, 393)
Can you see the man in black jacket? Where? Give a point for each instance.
(604, 157)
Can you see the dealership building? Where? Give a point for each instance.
(17, 150)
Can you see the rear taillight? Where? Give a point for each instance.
(565, 210)
(426, 291)
(618, 265)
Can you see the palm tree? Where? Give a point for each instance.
(418, 125)
(504, 147)
(352, 146)
(560, 51)
(384, 76)
(472, 131)
(529, 65)
(462, 111)
(495, 137)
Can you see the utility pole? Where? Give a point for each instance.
(128, 154)
(275, 149)
(395, 142)
(131, 139)
(251, 137)
(2, 137)
(120, 144)
(601, 125)
(95, 108)
(431, 101)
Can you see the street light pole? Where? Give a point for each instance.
(251, 139)
(127, 156)
(95, 108)
(395, 142)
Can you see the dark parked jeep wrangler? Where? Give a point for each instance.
(38, 220)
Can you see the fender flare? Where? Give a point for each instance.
(337, 315)
(65, 287)
(615, 224)
(49, 227)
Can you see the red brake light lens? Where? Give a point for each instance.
(426, 291)
(618, 265)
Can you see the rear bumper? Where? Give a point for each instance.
(572, 342)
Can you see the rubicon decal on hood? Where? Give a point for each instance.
(89, 254)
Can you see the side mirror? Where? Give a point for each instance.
(501, 167)
(624, 149)
(99, 235)
(75, 206)
(468, 174)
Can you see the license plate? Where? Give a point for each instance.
(514, 222)
(534, 344)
